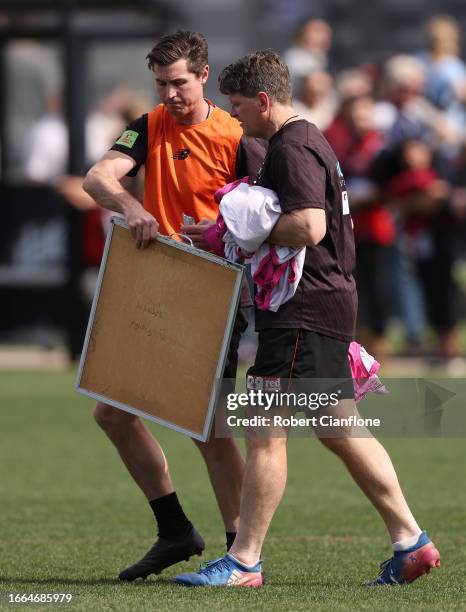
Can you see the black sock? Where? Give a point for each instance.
(231, 535)
(172, 522)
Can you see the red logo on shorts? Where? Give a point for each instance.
(263, 383)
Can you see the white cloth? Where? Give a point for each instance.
(250, 213)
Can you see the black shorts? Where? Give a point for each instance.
(240, 325)
(291, 354)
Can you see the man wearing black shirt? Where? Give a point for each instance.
(308, 337)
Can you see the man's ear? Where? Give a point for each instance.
(264, 101)
(205, 75)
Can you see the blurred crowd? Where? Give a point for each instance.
(399, 132)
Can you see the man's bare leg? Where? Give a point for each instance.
(226, 466)
(370, 465)
(146, 462)
(263, 487)
(265, 478)
(138, 449)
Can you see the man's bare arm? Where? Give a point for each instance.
(103, 184)
(299, 228)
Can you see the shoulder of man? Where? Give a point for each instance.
(157, 114)
(135, 130)
(310, 138)
(227, 124)
(133, 142)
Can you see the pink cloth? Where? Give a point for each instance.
(218, 195)
(213, 235)
(364, 370)
(271, 270)
(267, 277)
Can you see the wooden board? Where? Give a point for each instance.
(159, 331)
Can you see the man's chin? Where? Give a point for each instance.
(176, 110)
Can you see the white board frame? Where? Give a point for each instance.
(239, 269)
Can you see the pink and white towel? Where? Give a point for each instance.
(248, 214)
(364, 370)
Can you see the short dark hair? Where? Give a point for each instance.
(191, 46)
(255, 72)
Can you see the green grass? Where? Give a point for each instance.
(71, 517)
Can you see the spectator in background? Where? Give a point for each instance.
(427, 225)
(48, 151)
(353, 83)
(408, 116)
(417, 121)
(46, 163)
(415, 117)
(103, 125)
(350, 84)
(356, 142)
(118, 108)
(107, 121)
(47, 154)
(364, 81)
(445, 71)
(32, 72)
(309, 50)
(317, 101)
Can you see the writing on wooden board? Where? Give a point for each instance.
(159, 330)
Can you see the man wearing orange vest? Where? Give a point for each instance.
(189, 148)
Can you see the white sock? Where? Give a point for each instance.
(241, 563)
(406, 543)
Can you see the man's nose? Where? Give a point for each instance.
(171, 92)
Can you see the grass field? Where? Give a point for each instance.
(71, 518)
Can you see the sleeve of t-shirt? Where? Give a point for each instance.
(133, 142)
(299, 178)
(249, 156)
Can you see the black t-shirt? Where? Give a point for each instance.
(249, 156)
(302, 169)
